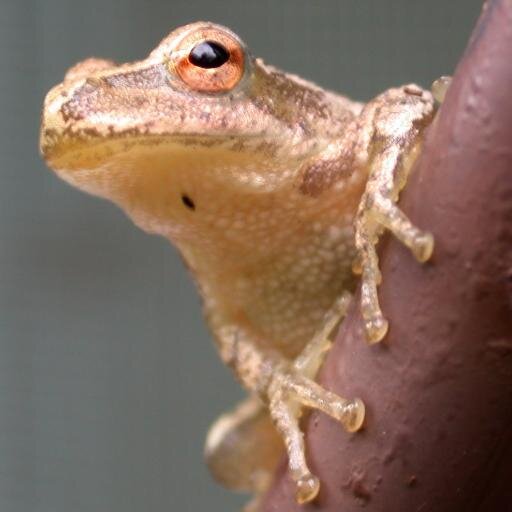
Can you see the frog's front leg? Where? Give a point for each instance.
(399, 117)
(286, 386)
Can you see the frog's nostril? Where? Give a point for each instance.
(48, 134)
(52, 122)
(88, 67)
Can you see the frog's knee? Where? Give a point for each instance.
(243, 448)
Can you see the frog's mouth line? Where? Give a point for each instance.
(80, 152)
(91, 151)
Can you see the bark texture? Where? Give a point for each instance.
(438, 390)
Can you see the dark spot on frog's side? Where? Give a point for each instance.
(188, 202)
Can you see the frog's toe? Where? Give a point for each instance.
(376, 328)
(292, 390)
(440, 87)
(307, 488)
(423, 246)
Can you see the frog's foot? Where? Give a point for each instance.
(290, 390)
(383, 213)
(287, 393)
(401, 115)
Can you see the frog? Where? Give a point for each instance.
(275, 192)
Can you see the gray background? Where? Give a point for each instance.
(108, 378)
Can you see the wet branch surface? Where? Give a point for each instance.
(438, 390)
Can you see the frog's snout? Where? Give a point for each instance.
(52, 124)
(87, 68)
(59, 116)
(60, 111)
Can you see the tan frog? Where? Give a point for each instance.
(271, 188)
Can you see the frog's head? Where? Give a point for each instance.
(197, 124)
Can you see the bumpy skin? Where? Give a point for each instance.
(269, 186)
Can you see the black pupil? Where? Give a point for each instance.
(209, 54)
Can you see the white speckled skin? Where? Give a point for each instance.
(268, 190)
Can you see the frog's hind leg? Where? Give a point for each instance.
(243, 449)
(400, 115)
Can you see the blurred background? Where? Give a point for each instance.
(108, 377)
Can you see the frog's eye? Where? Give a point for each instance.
(209, 60)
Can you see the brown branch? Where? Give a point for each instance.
(438, 436)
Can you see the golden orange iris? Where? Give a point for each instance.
(212, 80)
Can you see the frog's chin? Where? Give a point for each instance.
(164, 185)
(160, 169)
